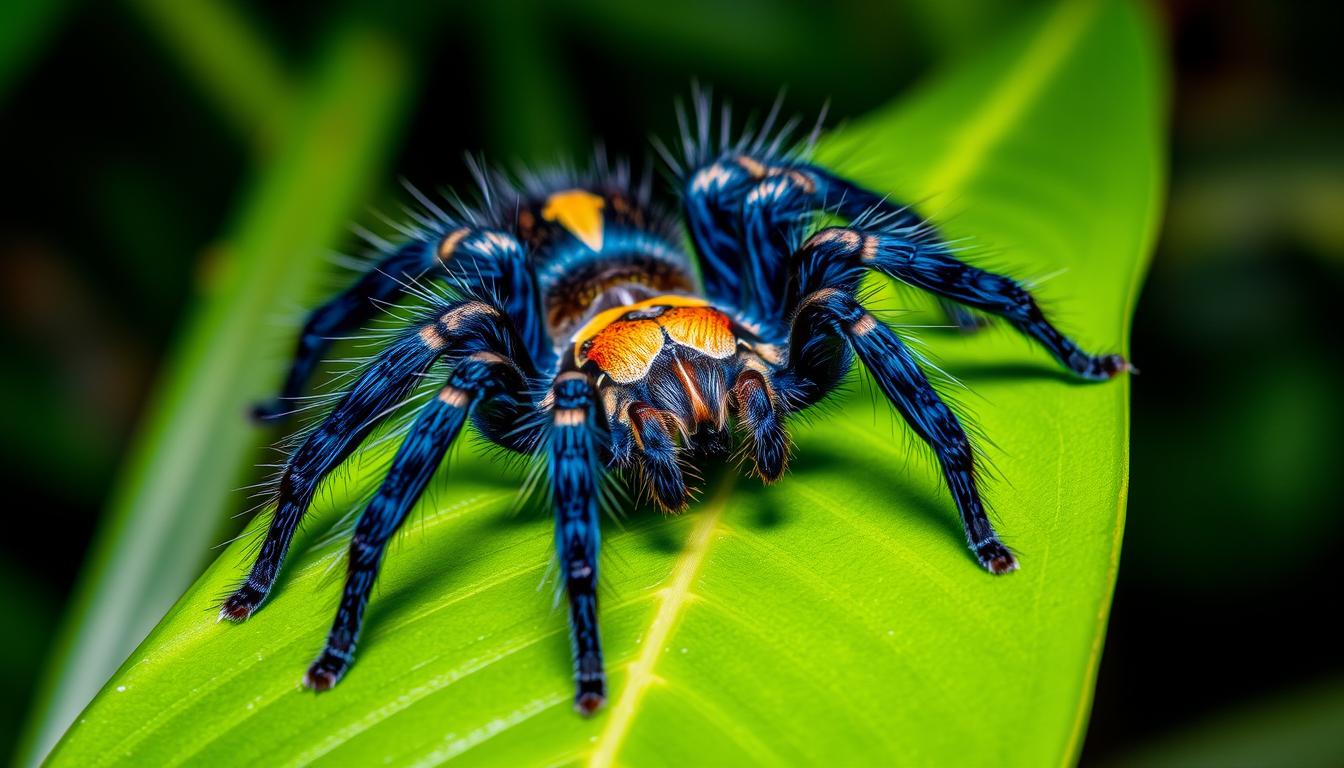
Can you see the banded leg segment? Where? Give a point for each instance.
(837, 257)
(344, 313)
(833, 312)
(483, 264)
(576, 472)
(478, 378)
(459, 329)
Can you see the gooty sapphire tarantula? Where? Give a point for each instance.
(582, 333)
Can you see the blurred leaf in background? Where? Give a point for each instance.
(942, 664)
(179, 484)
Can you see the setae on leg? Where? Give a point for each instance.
(484, 264)
(575, 474)
(834, 312)
(476, 379)
(459, 329)
(836, 258)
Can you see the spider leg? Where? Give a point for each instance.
(341, 314)
(478, 378)
(744, 210)
(836, 313)
(477, 263)
(458, 329)
(770, 211)
(658, 451)
(575, 474)
(857, 203)
(836, 257)
(757, 410)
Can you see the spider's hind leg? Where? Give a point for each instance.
(343, 313)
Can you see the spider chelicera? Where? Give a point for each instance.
(581, 334)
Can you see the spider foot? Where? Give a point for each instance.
(995, 557)
(241, 604)
(326, 672)
(1101, 367)
(586, 702)
(592, 693)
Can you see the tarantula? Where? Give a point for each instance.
(581, 334)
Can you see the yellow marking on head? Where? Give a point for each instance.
(608, 316)
(578, 211)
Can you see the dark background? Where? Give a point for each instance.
(119, 174)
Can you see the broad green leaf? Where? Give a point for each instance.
(833, 618)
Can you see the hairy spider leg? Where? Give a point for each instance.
(576, 471)
(743, 212)
(854, 202)
(344, 312)
(837, 256)
(483, 264)
(835, 312)
(457, 329)
(657, 455)
(478, 378)
(760, 417)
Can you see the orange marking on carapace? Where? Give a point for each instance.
(626, 349)
(701, 328)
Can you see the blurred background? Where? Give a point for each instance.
(161, 152)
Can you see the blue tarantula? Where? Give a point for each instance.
(580, 333)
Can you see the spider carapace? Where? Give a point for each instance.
(582, 332)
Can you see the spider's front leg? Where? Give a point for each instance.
(830, 314)
(576, 472)
(455, 331)
(480, 377)
(482, 263)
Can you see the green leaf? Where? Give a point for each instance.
(833, 618)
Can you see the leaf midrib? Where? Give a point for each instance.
(640, 674)
(964, 156)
